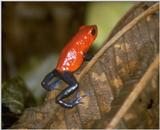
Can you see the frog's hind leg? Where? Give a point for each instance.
(46, 81)
(73, 85)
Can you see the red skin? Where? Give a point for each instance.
(72, 55)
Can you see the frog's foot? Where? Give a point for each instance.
(79, 98)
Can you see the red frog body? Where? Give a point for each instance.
(72, 55)
(71, 58)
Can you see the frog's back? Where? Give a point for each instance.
(70, 59)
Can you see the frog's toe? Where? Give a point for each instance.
(85, 94)
(79, 99)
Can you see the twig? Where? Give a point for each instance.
(135, 93)
(149, 11)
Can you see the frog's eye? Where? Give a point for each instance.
(93, 32)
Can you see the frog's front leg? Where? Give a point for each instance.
(68, 77)
(87, 57)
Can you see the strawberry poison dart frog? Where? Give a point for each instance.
(71, 58)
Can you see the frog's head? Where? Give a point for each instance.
(89, 30)
(88, 34)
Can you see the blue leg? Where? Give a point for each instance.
(73, 85)
(87, 57)
(46, 81)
